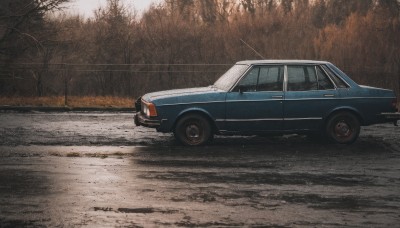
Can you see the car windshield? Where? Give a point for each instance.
(227, 80)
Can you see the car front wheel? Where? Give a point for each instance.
(193, 130)
(343, 128)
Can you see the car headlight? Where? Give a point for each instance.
(149, 109)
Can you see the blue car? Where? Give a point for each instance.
(269, 97)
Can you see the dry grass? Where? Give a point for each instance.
(72, 101)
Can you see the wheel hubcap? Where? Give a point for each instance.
(342, 129)
(193, 132)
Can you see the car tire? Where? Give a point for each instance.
(343, 128)
(193, 130)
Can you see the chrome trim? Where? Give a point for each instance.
(285, 78)
(264, 100)
(312, 90)
(192, 103)
(391, 115)
(224, 101)
(310, 99)
(249, 67)
(248, 120)
(338, 98)
(333, 72)
(347, 98)
(144, 121)
(309, 118)
(327, 75)
(276, 99)
(268, 119)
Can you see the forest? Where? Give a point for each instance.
(184, 43)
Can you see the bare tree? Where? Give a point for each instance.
(133, 55)
(20, 20)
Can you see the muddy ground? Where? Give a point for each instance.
(99, 170)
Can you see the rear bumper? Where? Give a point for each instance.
(141, 120)
(391, 117)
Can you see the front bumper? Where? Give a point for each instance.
(391, 116)
(141, 120)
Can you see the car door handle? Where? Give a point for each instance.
(329, 95)
(277, 96)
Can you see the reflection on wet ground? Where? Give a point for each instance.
(208, 186)
(288, 181)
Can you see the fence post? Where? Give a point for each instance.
(65, 72)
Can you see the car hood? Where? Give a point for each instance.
(201, 94)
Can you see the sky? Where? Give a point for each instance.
(86, 7)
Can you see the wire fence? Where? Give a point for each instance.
(125, 80)
(133, 80)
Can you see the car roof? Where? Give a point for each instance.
(281, 61)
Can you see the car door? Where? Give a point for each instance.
(309, 96)
(255, 104)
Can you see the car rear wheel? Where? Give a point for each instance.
(343, 128)
(193, 130)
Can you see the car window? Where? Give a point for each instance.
(227, 80)
(262, 78)
(270, 79)
(249, 82)
(324, 82)
(338, 81)
(302, 78)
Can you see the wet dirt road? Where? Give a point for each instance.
(99, 170)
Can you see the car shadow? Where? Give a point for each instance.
(286, 145)
(287, 160)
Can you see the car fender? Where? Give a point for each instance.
(345, 108)
(198, 110)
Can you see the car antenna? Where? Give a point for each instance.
(252, 49)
